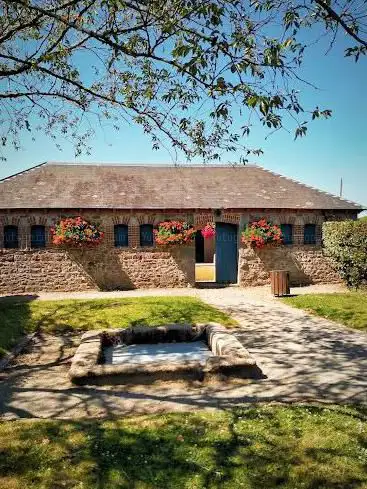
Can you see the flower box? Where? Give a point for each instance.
(76, 232)
(262, 233)
(174, 233)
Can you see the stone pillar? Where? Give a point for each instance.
(109, 234)
(209, 250)
(244, 221)
(134, 233)
(298, 234)
(318, 232)
(24, 234)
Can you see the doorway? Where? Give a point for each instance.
(204, 259)
(226, 253)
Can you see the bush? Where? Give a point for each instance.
(346, 244)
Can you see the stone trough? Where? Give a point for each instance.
(171, 352)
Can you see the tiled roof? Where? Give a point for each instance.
(62, 185)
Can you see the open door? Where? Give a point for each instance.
(226, 250)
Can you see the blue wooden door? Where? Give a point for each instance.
(226, 251)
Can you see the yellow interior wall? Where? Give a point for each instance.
(204, 273)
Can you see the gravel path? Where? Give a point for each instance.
(304, 358)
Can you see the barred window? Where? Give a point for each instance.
(10, 236)
(38, 236)
(121, 235)
(146, 235)
(287, 233)
(309, 234)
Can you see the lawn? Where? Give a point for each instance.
(347, 308)
(264, 447)
(20, 316)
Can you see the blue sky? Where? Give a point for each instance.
(333, 149)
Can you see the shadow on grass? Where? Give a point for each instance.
(254, 447)
(80, 315)
(348, 308)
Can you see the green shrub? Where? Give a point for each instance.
(346, 244)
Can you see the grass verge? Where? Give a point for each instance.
(268, 447)
(19, 317)
(349, 309)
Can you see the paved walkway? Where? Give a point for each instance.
(304, 358)
(262, 293)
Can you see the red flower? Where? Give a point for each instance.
(174, 232)
(261, 233)
(208, 231)
(76, 232)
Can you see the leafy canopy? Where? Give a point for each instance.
(181, 69)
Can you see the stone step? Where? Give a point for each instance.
(213, 285)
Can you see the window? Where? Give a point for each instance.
(287, 233)
(38, 237)
(309, 234)
(10, 237)
(121, 235)
(146, 235)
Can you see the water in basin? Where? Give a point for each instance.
(161, 352)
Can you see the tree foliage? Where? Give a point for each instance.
(181, 69)
(346, 243)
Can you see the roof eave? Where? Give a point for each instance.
(140, 208)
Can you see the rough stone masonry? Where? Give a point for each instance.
(109, 268)
(131, 196)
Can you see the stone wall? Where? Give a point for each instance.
(138, 268)
(104, 267)
(107, 267)
(44, 270)
(306, 265)
(72, 270)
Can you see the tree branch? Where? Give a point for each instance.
(340, 21)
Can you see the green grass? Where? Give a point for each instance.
(265, 447)
(17, 318)
(347, 308)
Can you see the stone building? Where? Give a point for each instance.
(128, 201)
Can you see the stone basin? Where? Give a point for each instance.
(172, 352)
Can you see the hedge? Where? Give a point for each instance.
(346, 244)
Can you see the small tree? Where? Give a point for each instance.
(346, 243)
